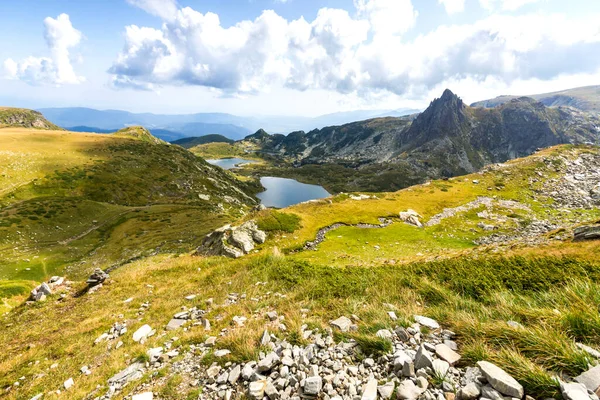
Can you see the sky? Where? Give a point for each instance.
(290, 57)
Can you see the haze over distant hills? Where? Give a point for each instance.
(173, 127)
(585, 98)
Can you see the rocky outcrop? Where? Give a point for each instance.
(588, 232)
(97, 278)
(23, 118)
(411, 217)
(231, 241)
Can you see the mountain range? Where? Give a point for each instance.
(173, 127)
(448, 139)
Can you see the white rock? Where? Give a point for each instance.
(428, 322)
(69, 383)
(370, 390)
(342, 323)
(256, 390)
(500, 380)
(446, 353)
(142, 333)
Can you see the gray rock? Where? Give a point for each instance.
(342, 323)
(490, 393)
(385, 334)
(470, 392)
(313, 386)
(271, 391)
(446, 353)
(423, 358)
(269, 362)
(574, 391)
(370, 390)
(589, 232)
(142, 333)
(440, 368)
(500, 380)
(256, 389)
(386, 391)
(407, 390)
(590, 378)
(175, 324)
(129, 374)
(234, 375)
(428, 322)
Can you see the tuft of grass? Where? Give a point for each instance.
(276, 221)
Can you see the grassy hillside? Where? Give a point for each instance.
(542, 280)
(190, 142)
(74, 201)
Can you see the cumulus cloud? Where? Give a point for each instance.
(506, 5)
(57, 69)
(166, 9)
(454, 6)
(364, 54)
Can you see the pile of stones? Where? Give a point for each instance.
(420, 366)
(47, 288)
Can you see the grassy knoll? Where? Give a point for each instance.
(75, 201)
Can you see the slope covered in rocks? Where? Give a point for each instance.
(463, 275)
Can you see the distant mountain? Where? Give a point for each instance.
(173, 127)
(448, 139)
(190, 142)
(584, 98)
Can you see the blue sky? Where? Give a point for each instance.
(305, 57)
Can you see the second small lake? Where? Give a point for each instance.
(282, 192)
(228, 163)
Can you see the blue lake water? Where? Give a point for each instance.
(281, 192)
(228, 163)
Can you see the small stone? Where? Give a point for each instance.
(423, 358)
(386, 391)
(256, 389)
(370, 390)
(175, 324)
(392, 315)
(313, 386)
(470, 392)
(407, 390)
(428, 322)
(342, 323)
(142, 333)
(69, 383)
(222, 353)
(234, 375)
(272, 315)
(446, 353)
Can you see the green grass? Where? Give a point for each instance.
(275, 221)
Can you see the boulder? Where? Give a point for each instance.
(411, 217)
(500, 380)
(231, 241)
(574, 391)
(588, 232)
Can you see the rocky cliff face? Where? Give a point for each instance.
(23, 118)
(449, 138)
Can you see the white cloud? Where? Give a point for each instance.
(453, 6)
(166, 9)
(506, 5)
(57, 69)
(365, 55)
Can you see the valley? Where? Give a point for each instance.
(434, 218)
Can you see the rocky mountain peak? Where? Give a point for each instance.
(445, 116)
